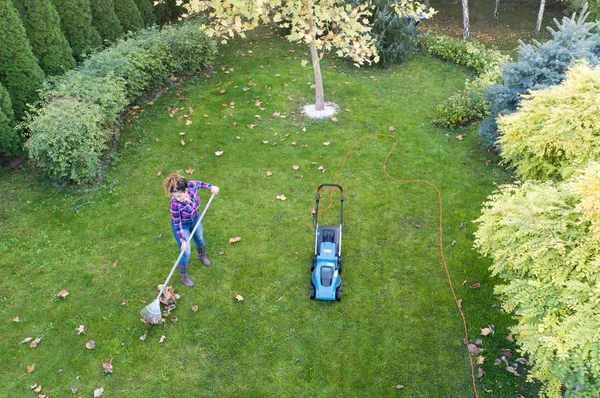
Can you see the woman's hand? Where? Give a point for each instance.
(184, 246)
(214, 190)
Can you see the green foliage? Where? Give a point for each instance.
(142, 61)
(557, 130)
(49, 44)
(190, 48)
(471, 54)
(106, 91)
(543, 240)
(19, 70)
(105, 21)
(70, 151)
(468, 104)
(147, 12)
(76, 23)
(393, 33)
(462, 107)
(10, 142)
(129, 15)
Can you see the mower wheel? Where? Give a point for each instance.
(340, 265)
(314, 263)
(313, 292)
(338, 293)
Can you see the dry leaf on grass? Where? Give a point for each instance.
(513, 371)
(236, 239)
(30, 368)
(218, 153)
(281, 197)
(162, 338)
(98, 392)
(90, 345)
(80, 329)
(63, 294)
(239, 297)
(107, 366)
(35, 342)
(474, 350)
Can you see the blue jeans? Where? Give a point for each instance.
(187, 230)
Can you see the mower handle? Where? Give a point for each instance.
(316, 212)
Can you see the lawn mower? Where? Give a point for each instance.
(326, 267)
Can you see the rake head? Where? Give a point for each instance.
(151, 313)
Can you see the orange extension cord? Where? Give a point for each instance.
(439, 194)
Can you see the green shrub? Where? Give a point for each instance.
(462, 107)
(129, 15)
(19, 70)
(191, 49)
(557, 130)
(49, 44)
(10, 141)
(76, 24)
(471, 54)
(68, 139)
(147, 12)
(544, 243)
(107, 91)
(105, 21)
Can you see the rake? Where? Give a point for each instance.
(151, 314)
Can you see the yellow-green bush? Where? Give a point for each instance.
(556, 130)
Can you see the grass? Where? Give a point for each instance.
(397, 324)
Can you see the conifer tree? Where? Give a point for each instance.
(19, 70)
(147, 12)
(49, 44)
(105, 20)
(76, 23)
(163, 13)
(129, 15)
(9, 140)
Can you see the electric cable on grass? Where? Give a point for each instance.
(441, 245)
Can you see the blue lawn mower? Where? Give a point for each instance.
(326, 267)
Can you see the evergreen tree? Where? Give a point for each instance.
(163, 13)
(105, 20)
(9, 139)
(76, 23)
(19, 69)
(129, 15)
(49, 44)
(147, 12)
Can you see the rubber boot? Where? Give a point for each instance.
(183, 271)
(202, 256)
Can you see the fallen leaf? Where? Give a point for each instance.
(480, 360)
(189, 171)
(35, 342)
(326, 143)
(460, 137)
(80, 329)
(269, 173)
(143, 338)
(36, 388)
(74, 390)
(63, 294)
(218, 153)
(98, 392)
(159, 173)
(475, 285)
(26, 340)
(182, 142)
(522, 361)
(30, 368)
(265, 142)
(188, 123)
(296, 167)
(510, 337)
(480, 373)
(108, 367)
(392, 128)
(399, 386)
(474, 350)
(281, 197)
(115, 263)
(513, 371)
(236, 239)
(90, 345)
(16, 319)
(239, 297)
(486, 331)
(334, 119)
(195, 308)
(162, 338)
(478, 342)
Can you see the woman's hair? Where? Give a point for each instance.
(175, 183)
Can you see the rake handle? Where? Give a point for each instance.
(189, 239)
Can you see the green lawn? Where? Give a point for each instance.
(397, 324)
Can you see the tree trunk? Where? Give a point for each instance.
(538, 25)
(320, 95)
(466, 29)
(497, 10)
